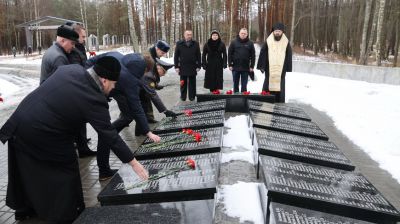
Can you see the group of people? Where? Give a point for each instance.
(275, 60)
(50, 123)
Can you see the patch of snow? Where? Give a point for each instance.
(238, 133)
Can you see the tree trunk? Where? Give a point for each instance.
(379, 32)
(396, 46)
(363, 57)
(132, 27)
(231, 26)
(97, 27)
(143, 32)
(293, 20)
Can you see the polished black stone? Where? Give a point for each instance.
(179, 143)
(287, 125)
(196, 121)
(286, 214)
(198, 107)
(186, 184)
(278, 109)
(299, 148)
(320, 188)
(236, 102)
(200, 211)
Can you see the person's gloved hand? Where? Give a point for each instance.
(159, 87)
(169, 113)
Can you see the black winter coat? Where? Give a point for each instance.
(129, 84)
(214, 61)
(54, 57)
(43, 128)
(78, 55)
(187, 58)
(241, 54)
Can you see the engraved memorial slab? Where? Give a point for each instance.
(170, 180)
(287, 125)
(302, 149)
(180, 143)
(200, 106)
(320, 188)
(277, 109)
(286, 214)
(236, 102)
(181, 212)
(195, 121)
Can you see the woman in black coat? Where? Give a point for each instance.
(214, 62)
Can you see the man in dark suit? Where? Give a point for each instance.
(187, 60)
(44, 177)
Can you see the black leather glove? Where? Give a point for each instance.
(159, 87)
(169, 113)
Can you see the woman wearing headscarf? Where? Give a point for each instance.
(214, 61)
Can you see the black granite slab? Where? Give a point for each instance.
(287, 125)
(236, 102)
(278, 109)
(199, 211)
(183, 185)
(198, 107)
(196, 121)
(302, 149)
(320, 188)
(179, 144)
(286, 214)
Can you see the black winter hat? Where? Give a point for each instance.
(67, 32)
(164, 64)
(108, 67)
(278, 26)
(162, 45)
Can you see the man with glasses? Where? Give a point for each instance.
(56, 55)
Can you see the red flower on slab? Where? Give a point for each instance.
(197, 136)
(1, 99)
(189, 131)
(265, 93)
(229, 92)
(246, 93)
(182, 82)
(216, 92)
(188, 113)
(191, 163)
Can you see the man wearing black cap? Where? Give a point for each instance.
(275, 60)
(56, 55)
(44, 177)
(159, 50)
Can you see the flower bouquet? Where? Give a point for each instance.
(265, 93)
(189, 164)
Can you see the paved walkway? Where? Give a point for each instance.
(230, 173)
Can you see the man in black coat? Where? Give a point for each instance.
(44, 177)
(187, 60)
(126, 93)
(159, 49)
(275, 60)
(241, 60)
(56, 55)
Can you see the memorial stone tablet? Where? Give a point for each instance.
(196, 121)
(299, 148)
(171, 179)
(236, 102)
(287, 125)
(168, 212)
(286, 214)
(200, 107)
(282, 110)
(315, 187)
(180, 143)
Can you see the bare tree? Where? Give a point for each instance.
(363, 57)
(379, 32)
(132, 27)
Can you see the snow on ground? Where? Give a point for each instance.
(242, 200)
(14, 88)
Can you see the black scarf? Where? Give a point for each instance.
(213, 44)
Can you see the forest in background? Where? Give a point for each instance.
(363, 31)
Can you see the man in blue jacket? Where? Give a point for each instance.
(126, 93)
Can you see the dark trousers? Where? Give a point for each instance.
(81, 139)
(145, 100)
(103, 150)
(242, 76)
(189, 81)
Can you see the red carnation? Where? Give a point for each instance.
(265, 93)
(197, 137)
(182, 82)
(229, 92)
(246, 93)
(216, 92)
(191, 163)
(188, 113)
(189, 131)
(1, 99)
